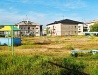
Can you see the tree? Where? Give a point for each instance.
(47, 30)
(94, 28)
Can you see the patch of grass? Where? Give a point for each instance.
(27, 47)
(49, 56)
(3, 47)
(39, 65)
(95, 70)
(41, 42)
(69, 47)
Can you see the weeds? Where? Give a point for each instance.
(69, 47)
(38, 65)
(49, 56)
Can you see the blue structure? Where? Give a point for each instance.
(88, 33)
(8, 41)
(11, 41)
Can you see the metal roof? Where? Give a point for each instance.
(66, 21)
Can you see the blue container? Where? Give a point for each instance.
(4, 41)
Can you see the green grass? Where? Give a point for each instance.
(50, 56)
(39, 65)
(48, 65)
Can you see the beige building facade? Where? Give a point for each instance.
(29, 28)
(65, 27)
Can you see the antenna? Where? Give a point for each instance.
(26, 18)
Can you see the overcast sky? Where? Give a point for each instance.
(47, 11)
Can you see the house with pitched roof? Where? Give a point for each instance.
(29, 28)
(65, 27)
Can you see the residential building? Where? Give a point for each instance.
(89, 24)
(65, 27)
(29, 28)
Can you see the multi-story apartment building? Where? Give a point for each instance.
(65, 27)
(89, 24)
(28, 27)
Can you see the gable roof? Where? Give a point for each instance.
(66, 21)
(27, 23)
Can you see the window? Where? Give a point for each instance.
(79, 26)
(36, 32)
(79, 31)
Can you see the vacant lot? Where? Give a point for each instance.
(55, 46)
(50, 56)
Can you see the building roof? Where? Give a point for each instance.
(28, 23)
(9, 28)
(94, 21)
(66, 21)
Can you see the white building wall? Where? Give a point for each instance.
(55, 29)
(58, 29)
(80, 29)
(37, 30)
